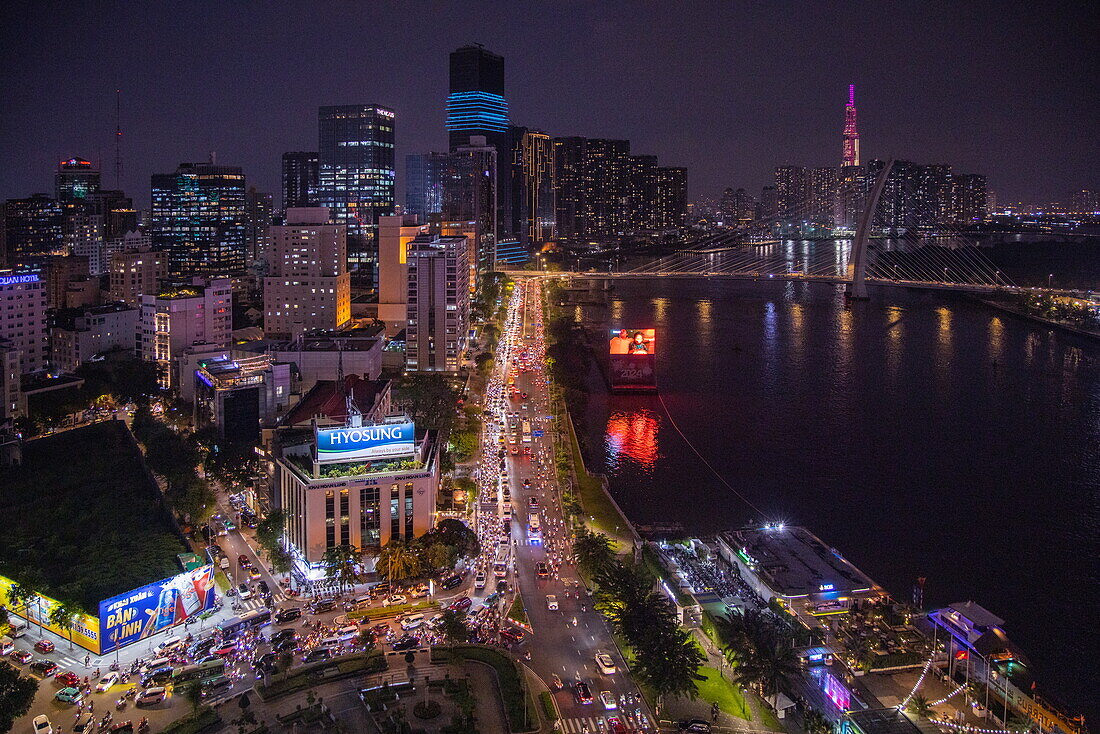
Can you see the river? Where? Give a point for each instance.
(921, 434)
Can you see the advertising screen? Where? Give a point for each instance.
(142, 612)
(633, 341)
(85, 631)
(380, 441)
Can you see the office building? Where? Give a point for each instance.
(308, 287)
(58, 271)
(79, 334)
(76, 181)
(23, 318)
(179, 316)
(769, 203)
(394, 235)
(538, 188)
(363, 484)
(356, 177)
(438, 310)
(32, 228)
(133, 239)
(470, 194)
(198, 218)
(670, 210)
(424, 173)
(238, 396)
(259, 212)
(300, 173)
(135, 271)
(323, 355)
(83, 236)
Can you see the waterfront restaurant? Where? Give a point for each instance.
(792, 565)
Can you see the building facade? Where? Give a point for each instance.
(177, 317)
(78, 335)
(259, 214)
(198, 218)
(23, 317)
(438, 310)
(32, 228)
(471, 194)
(394, 235)
(135, 272)
(309, 286)
(670, 210)
(538, 188)
(240, 395)
(356, 177)
(300, 175)
(76, 180)
(424, 174)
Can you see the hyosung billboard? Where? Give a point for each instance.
(378, 441)
(133, 616)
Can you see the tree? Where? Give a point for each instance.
(430, 400)
(192, 693)
(594, 551)
(341, 564)
(269, 533)
(668, 661)
(453, 626)
(65, 615)
(814, 722)
(920, 706)
(398, 561)
(17, 693)
(438, 556)
(21, 595)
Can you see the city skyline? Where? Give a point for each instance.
(730, 129)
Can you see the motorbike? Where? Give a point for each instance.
(114, 667)
(105, 721)
(120, 704)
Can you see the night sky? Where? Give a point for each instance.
(1005, 89)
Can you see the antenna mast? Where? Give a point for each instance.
(118, 139)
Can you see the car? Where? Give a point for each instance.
(555, 682)
(411, 621)
(68, 678)
(317, 654)
(225, 649)
(696, 726)
(207, 659)
(21, 656)
(382, 589)
(616, 726)
(150, 696)
(211, 686)
(380, 629)
(479, 580)
(266, 658)
(582, 692)
(542, 570)
(253, 573)
(406, 642)
(122, 727)
(527, 484)
(461, 604)
(44, 668)
(395, 600)
(419, 591)
(605, 664)
(608, 700)
(85, 723)
(68, 694)
(169, 644)
(348, 632)
(321, 606)
(533, 503)
(513, 635)
(200, 647)
(552, 602)
(287, 644)
(244, 592)
(243, 561)
(42, 725)
(287, 615)
(156, 677)
(44, 646)
(107, 681)
(283, 634)
(451, 581)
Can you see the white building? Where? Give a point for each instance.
(23, 317)
(438, 309)
(394, 235)
(309, 286)
(77, 335)
(181, 316)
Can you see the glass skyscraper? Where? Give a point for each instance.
(199, 219)
(356, 177)
(476, 104)
(299, 179)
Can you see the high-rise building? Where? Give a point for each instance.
(470, 195)
(821, 199)
(394, 235)
(970, 198)
(424, 174)
(769, 203)
(23, 319)
(1082, 201)
(308, 287)
(935, 197)
(135, 271)
(181, 316)
(300, 172)
(642, 192)
(671, 207)
(76, 181)
(744, 208)
(538, 175)
(850, 156)
(259, 211)
(58, 272)
(791, 192)
(32, 228)
(83, 234)
(852, 190)
(593, 189)
(198, 218)
(438, 310)
(476, 106)
(356, 177)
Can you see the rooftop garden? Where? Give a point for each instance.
(304, 464)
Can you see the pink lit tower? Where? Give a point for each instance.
(851, 133)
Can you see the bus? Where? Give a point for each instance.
(199, 673)
(534, 528)
(500, 561)
(247, 621)
(527, 431)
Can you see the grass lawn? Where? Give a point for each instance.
(518, 612)
(601, 514)
(728, 695)
(82, 517)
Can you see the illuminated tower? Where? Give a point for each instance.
(851, 133)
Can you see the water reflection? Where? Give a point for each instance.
(632, 436)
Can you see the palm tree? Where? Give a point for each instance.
(920, 706)
(815, 722)
(453, 627)
(594, 551)
(398, 561)
(65, 615)
(21, 595)
(775, 662)
(341, 564)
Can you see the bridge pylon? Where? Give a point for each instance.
(857, 290)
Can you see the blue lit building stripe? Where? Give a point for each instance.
(477, 111)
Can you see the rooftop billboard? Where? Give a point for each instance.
(379, 441)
